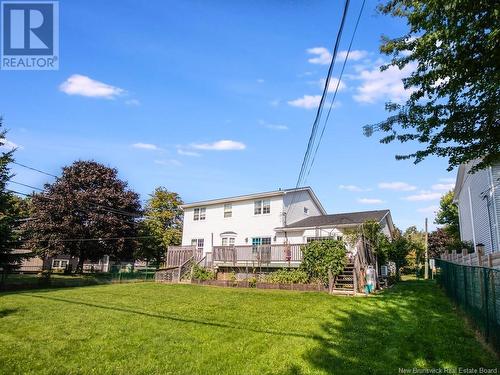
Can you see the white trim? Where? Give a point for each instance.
(472, 218)
(495, 216)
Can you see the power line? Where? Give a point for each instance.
(26, 185)
(81, 209)
(34, 169)
(88, 239)
(337, 87)
(312, 137)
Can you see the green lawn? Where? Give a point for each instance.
(185, 329)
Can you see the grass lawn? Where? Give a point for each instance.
(186, 329)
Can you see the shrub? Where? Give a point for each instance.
(285, 276)
(202, 274)
(319, 257)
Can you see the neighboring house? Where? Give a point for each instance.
(266, 230)
(477, 196)
(65, 262)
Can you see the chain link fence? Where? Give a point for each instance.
(24, 280)
(477, 291)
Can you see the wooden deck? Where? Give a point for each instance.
(257, 256)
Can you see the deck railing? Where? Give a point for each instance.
(178, 255)
(262, 254)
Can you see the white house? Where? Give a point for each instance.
(478, 198)
(247, 219)
(267, 227)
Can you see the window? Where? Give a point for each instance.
(257, 207)
(267, 206)
(228, 210)
(60, 263)
(306, 210)
(257, 241)
(198, 242)
(199, 214)
(227, 241)
(262, 207)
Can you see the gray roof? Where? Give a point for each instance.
(348, 218)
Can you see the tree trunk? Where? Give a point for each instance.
(81, 259)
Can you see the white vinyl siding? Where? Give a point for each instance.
(477, 209)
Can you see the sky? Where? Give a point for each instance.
(216, 98)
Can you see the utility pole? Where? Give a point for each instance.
(426, 269)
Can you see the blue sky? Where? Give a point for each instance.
(217, 98)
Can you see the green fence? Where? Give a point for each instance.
(19, 281)
(477, 291)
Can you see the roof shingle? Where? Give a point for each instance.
(348, 218)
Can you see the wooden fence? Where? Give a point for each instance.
(491, 260)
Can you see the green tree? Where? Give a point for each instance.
(324, 258)
(454, 106)
(86, 213)
(416, 243)
(7, 217)
(162, 224)
(447, 216)
(398, 251)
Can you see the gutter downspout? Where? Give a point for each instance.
(495, 216)
(472, 219)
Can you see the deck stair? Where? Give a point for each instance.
(345, 281)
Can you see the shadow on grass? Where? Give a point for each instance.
(6, 312)
(179, 319)
(411, 326)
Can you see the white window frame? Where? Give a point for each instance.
(266, 206)
(228, 210)
(227, 241)
(262, 207)
(199, 213)
(257, 207)
(198, 242)
(60, 263)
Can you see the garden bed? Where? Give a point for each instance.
(261, 285)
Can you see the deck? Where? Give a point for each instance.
(257, 256)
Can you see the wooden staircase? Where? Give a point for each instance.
(344, 283)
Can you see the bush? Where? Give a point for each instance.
(321, 256)
(287, 277)
(202, 274)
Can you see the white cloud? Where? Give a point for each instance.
(445, 187)
(323, 56)
(181, 151)
(222, 145)
(273, 126)
(399, 186)
(260, 80)
(332, 85)
(9, 145)
(307, 102)
(133, 102)
(447, 179)
(275, 102)
(387, 85)
(277, 127)
(370, 201)
(145, 146)
(82, 85)
(353, 188)
(354, 55)
(428, 210)
(169, 162)
(423, 196)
